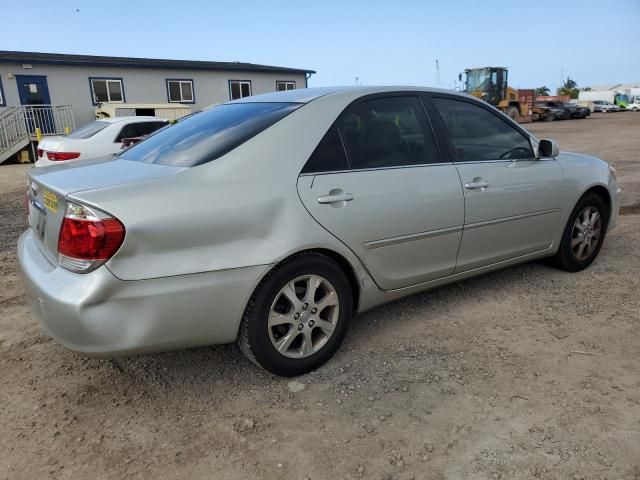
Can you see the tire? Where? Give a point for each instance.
(300, 339)
(635, 109)
(573, 258)
(604, 110)
(512, 113)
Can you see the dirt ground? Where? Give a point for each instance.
(524, 373)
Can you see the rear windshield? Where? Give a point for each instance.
(88, 130)
(208, 135)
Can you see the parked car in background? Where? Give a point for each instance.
(541, 114)
(273, 219)
(556, 113)
(634, 107)
(95, 139)
(129, 142)
(574, 111)
(603, 106)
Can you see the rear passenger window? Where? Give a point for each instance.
(478, 134)
(388, 132)
(138, 129)
(328, 156)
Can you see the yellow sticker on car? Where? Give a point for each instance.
(50, 201)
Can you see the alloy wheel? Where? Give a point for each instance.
(585, 236)
(303, 316)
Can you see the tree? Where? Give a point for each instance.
(542, 91)
(569, 87)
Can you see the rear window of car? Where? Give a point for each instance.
(208, 135)
(88, 130)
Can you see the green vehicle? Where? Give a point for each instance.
(616, 97)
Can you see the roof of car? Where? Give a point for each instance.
(140, 118)
(305, 95)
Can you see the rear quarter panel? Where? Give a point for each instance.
(239, 210)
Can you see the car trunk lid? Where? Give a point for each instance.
(49, 187)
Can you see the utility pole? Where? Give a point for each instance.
(437, 73)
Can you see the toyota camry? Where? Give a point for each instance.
(272, 220)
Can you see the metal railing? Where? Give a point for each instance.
(20, 125)
(50, 119)
(13, 130)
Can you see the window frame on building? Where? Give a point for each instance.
(287, 84)
(241, 83)
(180, 81)
(107, 80)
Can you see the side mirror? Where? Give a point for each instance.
(548, 148)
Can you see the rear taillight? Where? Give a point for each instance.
(61, 156)
(40, 152)
(88, 238)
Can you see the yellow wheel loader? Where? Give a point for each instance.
(490, 84)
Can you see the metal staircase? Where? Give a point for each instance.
(18, 125)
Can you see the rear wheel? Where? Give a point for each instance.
(583, 235)
(298, 316)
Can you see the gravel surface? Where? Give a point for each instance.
(524, 373)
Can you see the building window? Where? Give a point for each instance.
(239, 89)
(106, 90)
(2, 101)
(284, 85)
(180, 91)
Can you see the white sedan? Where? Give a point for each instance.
(96, 139)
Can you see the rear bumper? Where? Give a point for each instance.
(98, 314)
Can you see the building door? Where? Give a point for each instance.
(34, 94)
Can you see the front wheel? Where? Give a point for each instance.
(583, 234)
(298, 316)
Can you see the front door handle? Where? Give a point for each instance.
(477, 183)
(337, 197)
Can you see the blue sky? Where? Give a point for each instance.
(381, 42)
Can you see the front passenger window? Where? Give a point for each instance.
(478, 134)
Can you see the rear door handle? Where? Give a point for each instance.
(336, 197)
(476, 183)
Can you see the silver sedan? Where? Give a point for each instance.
(273, 220)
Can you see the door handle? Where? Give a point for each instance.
(336, 197)
(476, 183)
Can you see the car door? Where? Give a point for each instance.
(513, 201)
(378, 183)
